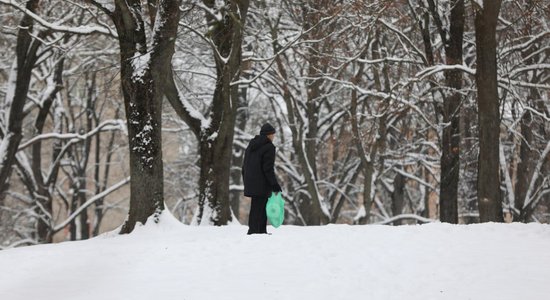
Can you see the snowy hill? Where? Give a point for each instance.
(174, 261)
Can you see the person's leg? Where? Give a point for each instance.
(263, 215)
(254, 216)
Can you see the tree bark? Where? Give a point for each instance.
(488, 182)
(526, 163)
(450, 138)
(368, 158)
(238, 154)
(20, 76)
(367, 164)
(397, 197)
(469, 159)
(42, 194)
(216, 141)
(450, 148)
(143, 76)
(102, 186)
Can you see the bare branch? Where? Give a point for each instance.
(68, 29)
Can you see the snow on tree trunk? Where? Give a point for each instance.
(143, 74)
(42, 194)
(216, 140)
(27, 47)
(238, 154)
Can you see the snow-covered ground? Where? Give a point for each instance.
(173, 261)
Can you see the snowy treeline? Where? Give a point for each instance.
(385, 111)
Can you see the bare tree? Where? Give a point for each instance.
(215, 132)
(19, 81)
(145, 67)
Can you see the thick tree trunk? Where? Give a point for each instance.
(450, 138)
(143, 75)
(216, 141)
(216, 147)
(450, 148)
(215, 164)
(144, 122)
(488, 183)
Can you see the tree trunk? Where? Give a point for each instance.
(450, 148)
(426, 198)
(18, 86)
(469, 159)
(526, 162)
(43, 196)
(216, 141)
(143, 77)
(397, 197)
(73, 228)
(100, 187)
(215, 163)
(367, 165)
(83, 218)
(368, 158)
(238, 155)
(488, 183)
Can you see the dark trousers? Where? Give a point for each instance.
(257, 220)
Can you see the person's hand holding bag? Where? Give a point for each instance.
(276, 188)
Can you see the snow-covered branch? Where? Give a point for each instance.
(440, 68)
(530, 195)
(91, 201)
(61, 28)
(104, 126)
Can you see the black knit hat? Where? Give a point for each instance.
(267, 129)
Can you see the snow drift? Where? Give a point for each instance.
(174, 261)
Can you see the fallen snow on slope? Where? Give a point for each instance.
(173, 261)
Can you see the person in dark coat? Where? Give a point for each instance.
(259, 177)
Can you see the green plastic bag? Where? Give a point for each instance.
(275, 209)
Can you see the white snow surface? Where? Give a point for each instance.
(174, 261)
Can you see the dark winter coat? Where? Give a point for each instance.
(258, 167)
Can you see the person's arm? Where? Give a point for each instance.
(268, 166)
